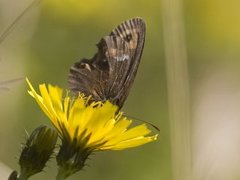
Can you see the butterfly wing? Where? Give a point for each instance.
(97, 76)
(132, 32)
(111, 72)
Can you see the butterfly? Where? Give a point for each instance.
(109, 75)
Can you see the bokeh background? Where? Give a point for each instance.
(53, 34)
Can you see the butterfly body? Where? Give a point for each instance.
(111, 72)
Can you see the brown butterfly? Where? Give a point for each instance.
(109, 75)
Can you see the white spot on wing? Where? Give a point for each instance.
(122, 58)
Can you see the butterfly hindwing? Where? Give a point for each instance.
(111, 72)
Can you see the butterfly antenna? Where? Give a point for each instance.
(13, 24)
(10, 81)
(4, 83)
(154, 126)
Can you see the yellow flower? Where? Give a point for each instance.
(87, 126)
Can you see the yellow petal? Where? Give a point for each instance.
(134, 142)
(140, 130)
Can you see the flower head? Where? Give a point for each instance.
(85, 126)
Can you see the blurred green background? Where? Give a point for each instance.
(54, 34)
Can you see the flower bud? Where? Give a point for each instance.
(37, 151)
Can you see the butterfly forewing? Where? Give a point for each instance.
(111, 72)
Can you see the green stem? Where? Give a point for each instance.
(61, 175)
(13, 24)
(23, 177)
(178, 89)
